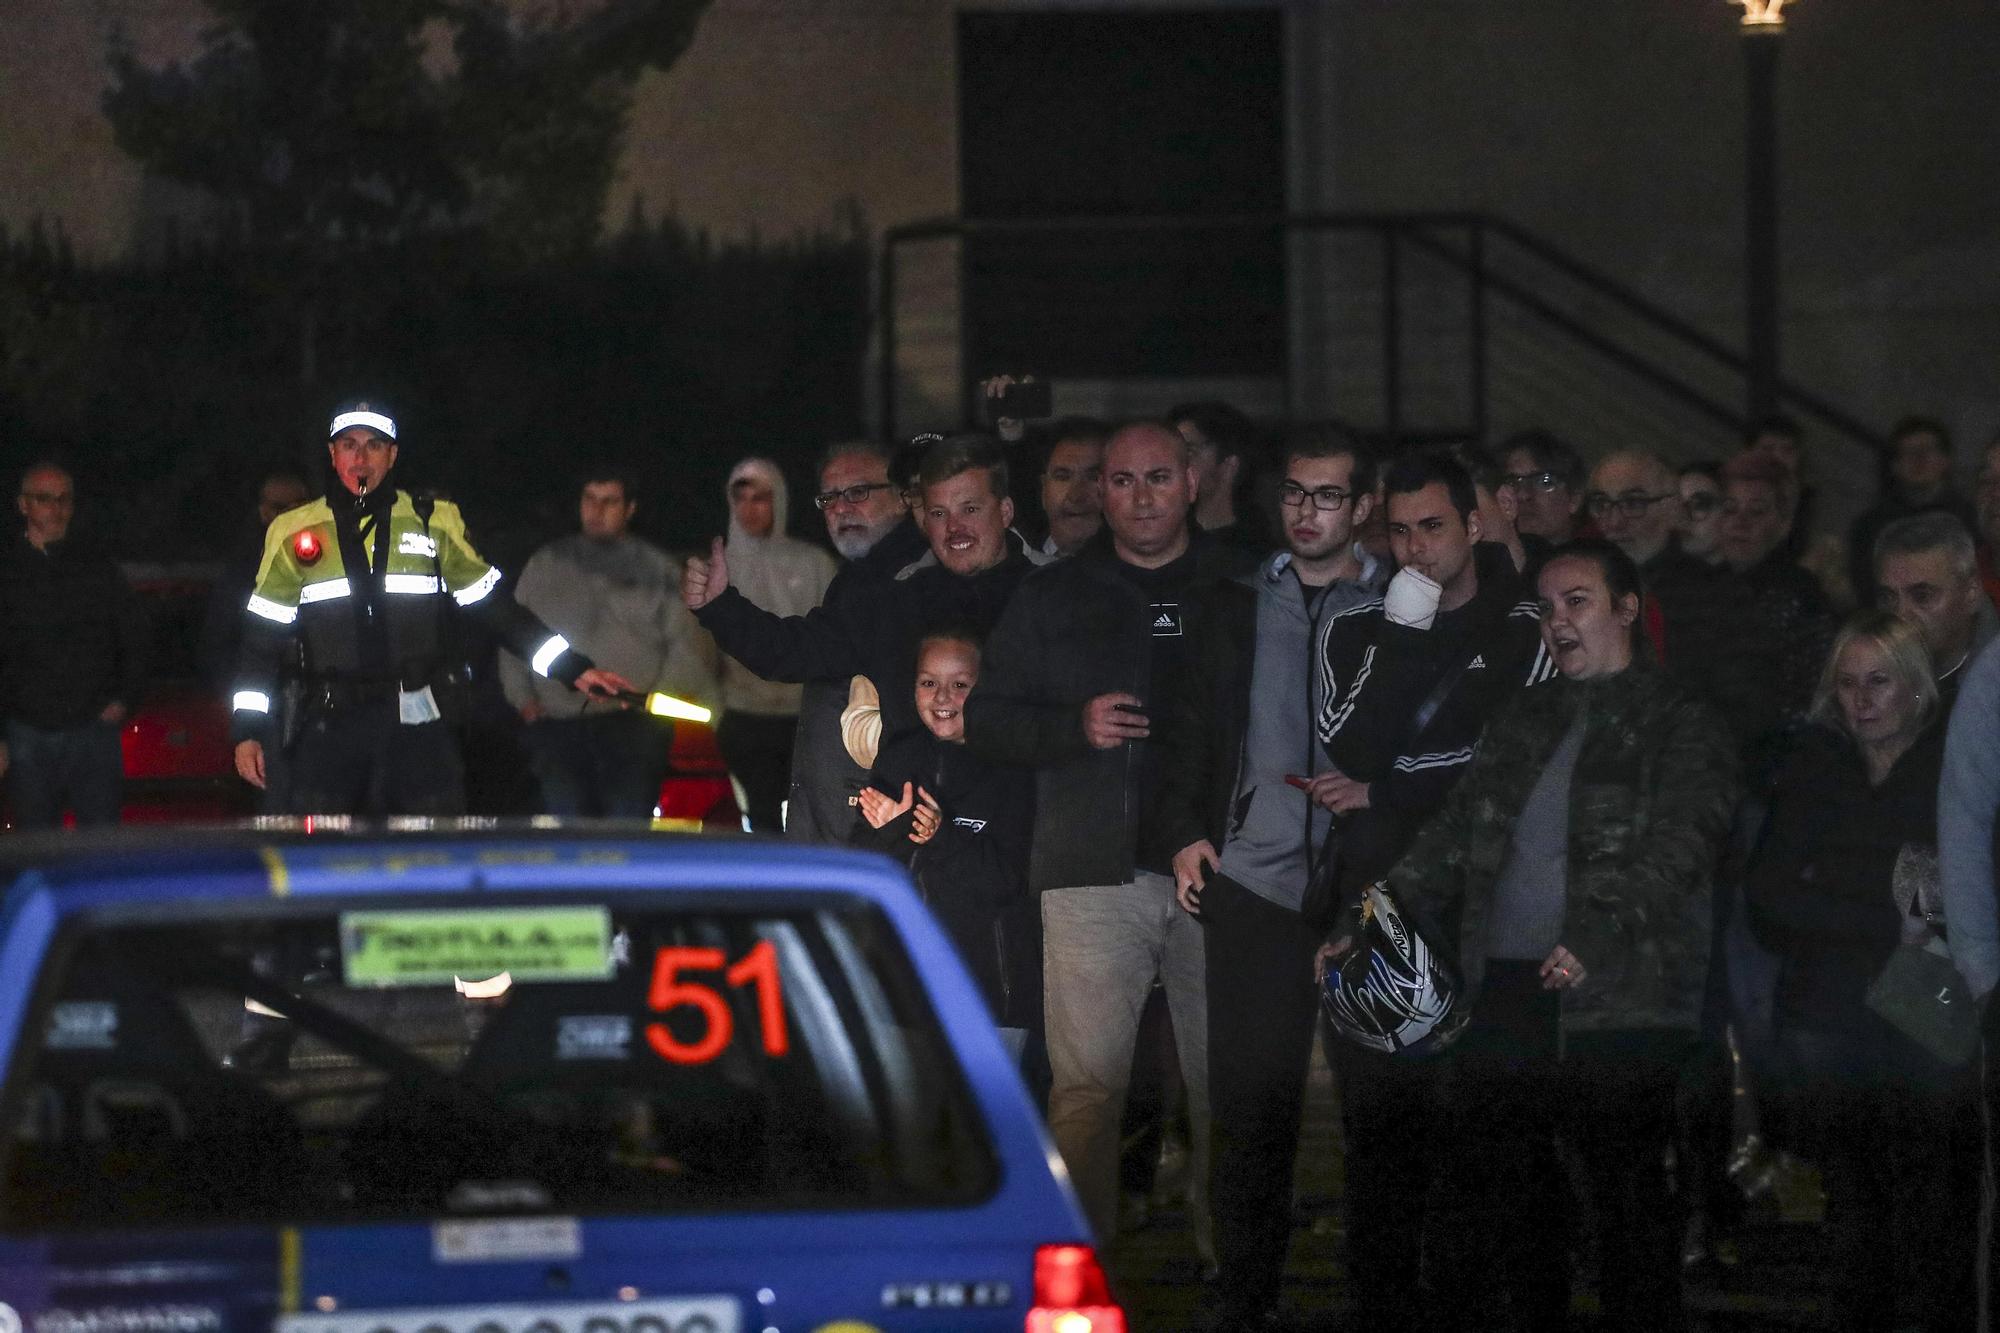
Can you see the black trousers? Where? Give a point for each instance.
(758, 750)
(1897, 1141)
(1517, 1085)
(1261, 1002)
(600, 765)
(1389, 1122)
(363, 760)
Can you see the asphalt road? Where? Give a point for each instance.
(1773, 1285)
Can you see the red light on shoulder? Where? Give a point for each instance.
(1071, 1293)
(306, 547)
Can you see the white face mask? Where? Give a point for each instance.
(1412, 598)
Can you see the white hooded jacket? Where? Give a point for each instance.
(779, 574)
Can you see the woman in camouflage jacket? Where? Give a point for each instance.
(1649, 804)
(1576, 854)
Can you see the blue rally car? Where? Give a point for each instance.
(511, 1084)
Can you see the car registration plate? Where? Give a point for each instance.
(680, 1314)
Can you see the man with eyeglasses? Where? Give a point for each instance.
(1237, 754)
(73, 664)
(870, 525)
(1700, 486)
(618, 596)
(1634, 499)
(1547, 479)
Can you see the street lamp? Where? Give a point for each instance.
(1765, 14)
(1763, 24)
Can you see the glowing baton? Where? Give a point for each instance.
(666, 705)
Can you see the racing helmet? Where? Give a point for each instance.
(1392, 992)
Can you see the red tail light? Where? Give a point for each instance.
(1071, 1294)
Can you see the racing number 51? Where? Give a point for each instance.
(759, 967)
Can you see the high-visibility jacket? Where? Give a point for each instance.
(361, 585)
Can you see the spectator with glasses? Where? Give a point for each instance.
(1700, 487)
(1497, 507)
(870, 526)
(1547, 478)
(1635, 502)
(1239, 747)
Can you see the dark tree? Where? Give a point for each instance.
(341, 124)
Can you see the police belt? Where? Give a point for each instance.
(337, 693)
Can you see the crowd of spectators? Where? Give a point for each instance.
(1612, 731)
(1671, 780)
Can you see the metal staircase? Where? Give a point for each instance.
(1408, 327)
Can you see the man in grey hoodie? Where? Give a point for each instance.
(619, 597)
(1238, 756)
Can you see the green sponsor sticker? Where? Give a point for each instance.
(431, 948)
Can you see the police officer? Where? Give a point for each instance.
(354, 585)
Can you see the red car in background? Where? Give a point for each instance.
(180, 766)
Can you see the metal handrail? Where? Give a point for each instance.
(1477, 261)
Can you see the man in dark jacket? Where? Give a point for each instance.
(1408, 682)
(1077, 678)
(1775, 623)
(71, 645)
(974, 566)
(1635, 501)
(872, 530)
(1916, 479)
(1456, 607)
(1232, 798)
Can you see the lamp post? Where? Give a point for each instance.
(1763, 29)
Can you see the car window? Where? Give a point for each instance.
(531, 1058)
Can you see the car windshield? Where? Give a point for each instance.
(417, 1062)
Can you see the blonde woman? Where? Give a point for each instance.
(1846, 872)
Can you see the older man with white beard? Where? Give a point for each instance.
(871, 528)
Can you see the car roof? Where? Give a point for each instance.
(56, 878)
(305, 858)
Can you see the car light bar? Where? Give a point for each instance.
(1071, 1293)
